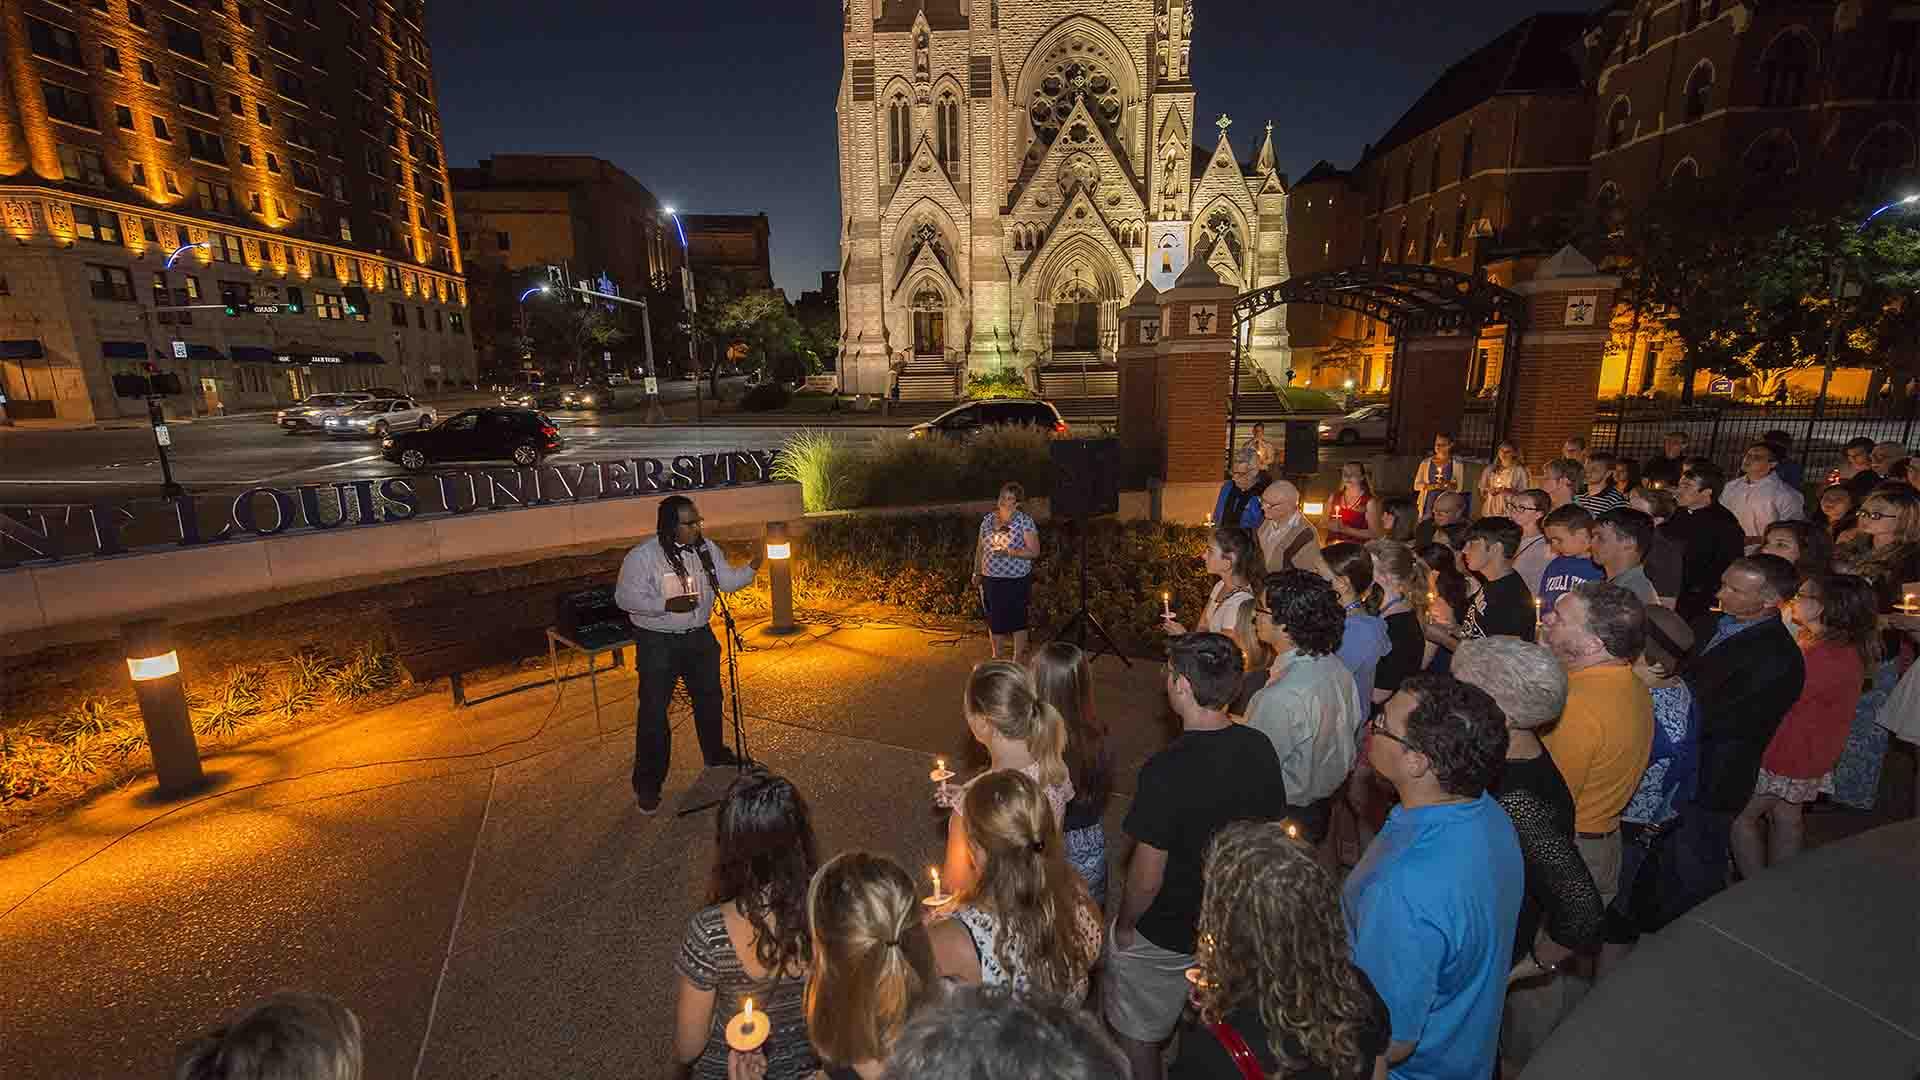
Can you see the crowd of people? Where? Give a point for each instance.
(1434, 771)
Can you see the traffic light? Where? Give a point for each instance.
(356, 300)
(231, 299)
(295, 302)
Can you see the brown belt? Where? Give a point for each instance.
(1597, 835)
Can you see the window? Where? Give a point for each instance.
(82, 166)
(503, 240)
(440, 224)
(1460, 229)
(235, 106)
(91, 223)
(1643, 35)
(436, 192)
(382, 200)
(195, 94)
(1426, 244)
(149, 74)
(160, 129)
(137, 176)
(280, 211)
(53, 42)
(1433, 168)
(323, 265)
(346, 232)
(1648, 369)
(281, 39)
(1772, 155)
(946, 130)
(1466, 157)
(1884, 157)
(109, 283)
(137, 15)
(253, 65)
(68, 104)
(255, 204)
(212, 197)
(173, 188)
(1699, 92)
(273, 163)
(299, 134)
(456, 322)
(306, 177)
(245, 14)
(1401, 250)
(393, 281)
(185, 40)
(899, 131)
(123, 116)
(1619, 124)
(1406, 180)
(230, 245)
(226, 54)
(398, 312)
(193, 287)
(1783, 71)
(262, 114)
(329, 306)
(206, 146)
(110, 58)
(1896, 79)
(339, 187)
(308, 219)
(290, 85)
(246, 153)
(421, 314)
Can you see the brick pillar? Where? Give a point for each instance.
(1554, 376)
(1195, 355)
(1430, 388)
(1142, 441)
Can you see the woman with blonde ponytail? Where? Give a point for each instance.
(1026, 921)
(1021, 732)
(873, 962)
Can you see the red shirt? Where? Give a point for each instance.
(1814, 731)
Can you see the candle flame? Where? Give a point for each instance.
(940, 764)
(935, 871)
(748, 1011)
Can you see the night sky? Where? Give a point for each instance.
(728, 106)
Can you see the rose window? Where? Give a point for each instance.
(1069, 82)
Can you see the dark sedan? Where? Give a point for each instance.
(521, 436)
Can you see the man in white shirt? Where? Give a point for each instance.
(667, 587)
(1758, 497)
(1309, 708)
(1287, 539)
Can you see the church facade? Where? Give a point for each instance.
(1012, 171)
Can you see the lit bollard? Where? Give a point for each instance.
(780, 577)
(157, 685)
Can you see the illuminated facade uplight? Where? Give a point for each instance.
(782, 550)
(154, 667)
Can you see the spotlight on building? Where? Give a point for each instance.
(154, 666)
(780, 578)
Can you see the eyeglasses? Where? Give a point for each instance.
(1523, 506)
(1262, 609)
(1877, 515)
(1378, 725)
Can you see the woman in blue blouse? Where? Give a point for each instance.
(1003, 571)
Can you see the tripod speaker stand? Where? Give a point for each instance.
(1086, 483)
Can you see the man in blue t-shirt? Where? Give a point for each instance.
(1433, 905)
(1569, 532)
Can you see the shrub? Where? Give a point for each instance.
(766, 397)
(827, 469)
(899, 470)
(996, 455)
(1004, 382)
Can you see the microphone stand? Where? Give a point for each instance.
(743, 760)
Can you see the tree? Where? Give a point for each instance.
(574, 332)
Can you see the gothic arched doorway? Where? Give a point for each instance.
(1076, 319)
(929, 322)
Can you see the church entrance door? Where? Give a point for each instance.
(1076, 327)
(929, 333)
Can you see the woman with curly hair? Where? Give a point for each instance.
(1025, 921)
(1065, 681)
(1276, 977)
(1887, 554)
(873, 963)
(1234, 557)
(763, 859)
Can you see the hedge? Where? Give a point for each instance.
(834, 474)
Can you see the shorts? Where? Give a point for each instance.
(1792, 789)
(1145, 988)
(1602, 856)
(1006, 602)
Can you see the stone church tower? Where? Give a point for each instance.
(1011, 171)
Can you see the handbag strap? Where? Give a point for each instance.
(1237, 1049)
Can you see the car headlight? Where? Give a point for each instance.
(386, 443)
(1326, 427)
(587, 400)
(916, 433)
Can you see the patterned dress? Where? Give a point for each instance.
(983, 928)
(708, 961)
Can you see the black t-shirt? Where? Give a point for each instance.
(1504, 606)
(1203, 1058)
(1200, 782)
(1408, 647)
(1711, 539)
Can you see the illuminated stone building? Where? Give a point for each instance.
(160, 154)
(1011, 171)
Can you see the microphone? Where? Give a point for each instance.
(706, 561)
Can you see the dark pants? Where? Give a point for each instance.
(660, 659)
(1698, 851)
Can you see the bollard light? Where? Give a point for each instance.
(154, 666)
(1314, 509)
(780, 578)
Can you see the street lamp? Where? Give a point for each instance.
(689, 304)
(1908, 200)
(175, 253)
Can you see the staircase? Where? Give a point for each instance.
(928, 378)
(1078, 374)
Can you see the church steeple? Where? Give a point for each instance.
(1263, 165)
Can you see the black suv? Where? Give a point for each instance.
(965, 421)
(521, 436)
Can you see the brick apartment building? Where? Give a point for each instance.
(159, 155)
(733, 247)
(1565, 113)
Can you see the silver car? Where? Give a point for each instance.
(310, 414)
(378, 419)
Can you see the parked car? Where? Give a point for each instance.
(1368, 424)
(377, 418)
(311, 412)
(534, 397)
(522, 436)
(966, 421)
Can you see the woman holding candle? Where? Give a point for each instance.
(1064, 680)
(764, 856)
(1021, 732)
(1278, 975)
(1234, 558)
(1025, 921)
(1887, 554)
(1506, 476)
(1839, 633)
(1354, 512)
(1003, 570)
(873, 962)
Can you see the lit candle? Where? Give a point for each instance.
(940, 775)
(1166, 604)
(1293, 831)
(938, 898)
(748, 1030)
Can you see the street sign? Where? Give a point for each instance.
(1721, 385)
(179, 350)
(606, 356)
(161, 435)
(653, 386)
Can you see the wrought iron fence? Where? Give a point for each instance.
(1722, 430)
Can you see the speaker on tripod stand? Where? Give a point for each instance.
(1086, 484)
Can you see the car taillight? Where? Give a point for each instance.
(551, 433)
(1060, 428)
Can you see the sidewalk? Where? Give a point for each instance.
(477, 885)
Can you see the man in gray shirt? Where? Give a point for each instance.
(667, 587)
(1621, 538)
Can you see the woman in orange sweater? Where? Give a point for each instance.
(1839, 635)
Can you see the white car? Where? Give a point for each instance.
(380, 418)
(1368, 424)
(310, 413)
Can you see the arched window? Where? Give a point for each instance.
(1401, 250)
(1643, 34)
(1784, 71)
(1426, 244)
(1607, 197)
(1687, 172)
(899, 132)
(1466, 157)
(1619, 123)
(1433, 168)
(947, 132)
(1772, 155)
(1406, 186)
(1699, 92)
(1460, 229)
(1896, 76)
(1884, 159)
